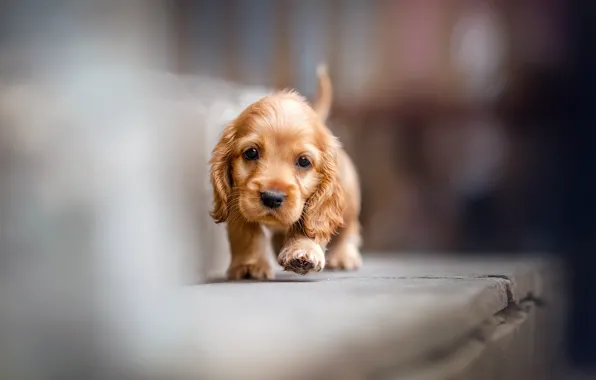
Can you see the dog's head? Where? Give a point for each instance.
(276, 164)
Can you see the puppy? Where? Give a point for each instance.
(277, 166)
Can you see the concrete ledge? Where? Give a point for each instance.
(395, 316)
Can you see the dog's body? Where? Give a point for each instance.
(278, 166)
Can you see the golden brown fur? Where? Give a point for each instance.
(319, 201)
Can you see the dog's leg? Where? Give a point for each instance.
(301, 254)
(344, 248)
(249, 258)
(277, 242)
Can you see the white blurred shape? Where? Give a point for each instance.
(478, 50)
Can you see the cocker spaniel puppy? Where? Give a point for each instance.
(277, 166)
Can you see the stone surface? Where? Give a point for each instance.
(394, 315)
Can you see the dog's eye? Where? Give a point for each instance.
(303, 162)
(251, 154)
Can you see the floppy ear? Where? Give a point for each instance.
(324, 210)
(221, 176)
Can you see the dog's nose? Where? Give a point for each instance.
(272, 199)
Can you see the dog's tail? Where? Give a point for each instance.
(324, 97)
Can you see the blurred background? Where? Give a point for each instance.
(471, 122)
(449, 108)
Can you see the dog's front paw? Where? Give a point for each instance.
(260, 270)
(344, 258)
(302, 256)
